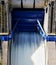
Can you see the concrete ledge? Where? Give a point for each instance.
(4, 33)
(51, 33)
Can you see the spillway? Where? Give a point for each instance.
(26, 38)
(23, 46)
(22, 22)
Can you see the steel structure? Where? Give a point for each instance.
(31, 21)
(17, 27)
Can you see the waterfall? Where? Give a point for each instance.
(23, 46)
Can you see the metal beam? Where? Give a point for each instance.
(5, 37)
(51, 38)
(43, 34)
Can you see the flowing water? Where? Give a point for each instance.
(23, 46)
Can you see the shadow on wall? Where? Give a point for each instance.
(23, 47)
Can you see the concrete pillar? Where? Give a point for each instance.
(54, 18)
(4, 52)
(51, 53)
(50, 47)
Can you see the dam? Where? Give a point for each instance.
(28, 32)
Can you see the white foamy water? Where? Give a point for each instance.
(23, 47)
